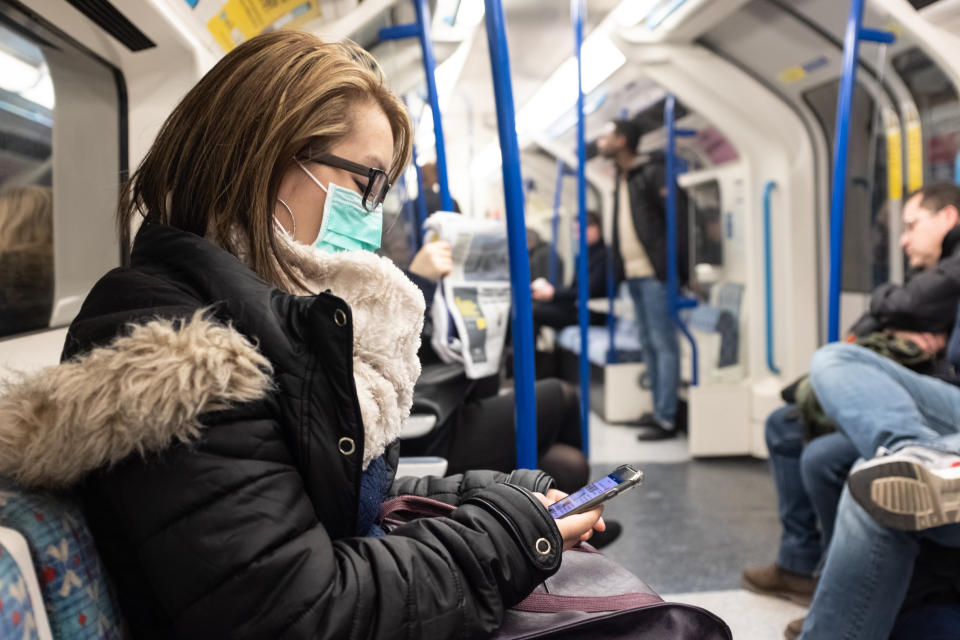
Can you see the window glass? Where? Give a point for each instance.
(865, 235)
(939, 109)
(705, 222)
(26, 178)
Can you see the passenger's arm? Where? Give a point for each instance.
(927, 302)
(458, 488)
(222, 536)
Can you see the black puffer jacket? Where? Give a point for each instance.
(243, 524)
(648, 207)
(926, 302)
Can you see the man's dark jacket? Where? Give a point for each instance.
(248, 530)
(927, 302)
(646, 183)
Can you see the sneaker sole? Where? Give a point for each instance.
(906, 495)
(797, 598)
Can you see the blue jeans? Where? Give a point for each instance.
(808, 481)
(661, 351)
(876, 403)
(866, 575)
(879, 403)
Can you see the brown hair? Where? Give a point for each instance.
(26, 217)
(218, 161)
(938, 195)
(26, 255)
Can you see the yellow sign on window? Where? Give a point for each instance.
(240, 20)
(914, 151)
(894, 155)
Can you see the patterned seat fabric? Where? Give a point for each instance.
(18, 620)
(79, 603)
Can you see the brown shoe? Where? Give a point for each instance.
(774, 581)
(792, 632)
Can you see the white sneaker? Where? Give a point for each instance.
(913, 489)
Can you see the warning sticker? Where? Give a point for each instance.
(240, 20)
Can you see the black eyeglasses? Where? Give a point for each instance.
(377, 184)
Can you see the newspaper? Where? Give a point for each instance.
(471, 309)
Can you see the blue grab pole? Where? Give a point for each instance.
(421, 200)
(583, 275)
(525, 408)
(768, 273)
(555, 224)
(840, 148)
(674, 301)
(611, 308)
(429, 67)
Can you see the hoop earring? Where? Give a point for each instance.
(292, 219)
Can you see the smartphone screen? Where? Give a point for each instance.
(606, 487)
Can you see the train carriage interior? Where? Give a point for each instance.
(780, 145)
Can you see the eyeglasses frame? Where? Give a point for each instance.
(370, 173)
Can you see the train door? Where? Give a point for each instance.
(772, 146)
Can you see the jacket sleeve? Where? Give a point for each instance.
(927, 302)
(459, 488)
(218, 539)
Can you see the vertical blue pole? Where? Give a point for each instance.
(669, 123)
(840, 148)
(421, 201)
(611, 308)
(525, 408)
(583, 276)
(555, 224)
(430, 66)
(674, 299)
(768, 272)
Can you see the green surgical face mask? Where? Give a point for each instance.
(346, 225)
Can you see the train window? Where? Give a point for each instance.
(936, 99)
(706, 241)
(26, 197)
(62, 149)
(865, 235)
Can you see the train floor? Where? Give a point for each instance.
(693, 526)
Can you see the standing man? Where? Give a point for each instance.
(640, 246)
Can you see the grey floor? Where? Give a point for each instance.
(694, 525)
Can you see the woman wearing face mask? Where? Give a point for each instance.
(229, 402)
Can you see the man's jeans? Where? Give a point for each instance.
(866, 575)
(808, 481)
(661, 351)
(879, 403)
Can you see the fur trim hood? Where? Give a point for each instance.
(145, 390)
(141, 393)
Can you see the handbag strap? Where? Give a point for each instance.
(402, 509)
(554, 603)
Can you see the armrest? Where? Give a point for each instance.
(418, 425)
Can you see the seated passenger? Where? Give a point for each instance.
(539, 252)
(26, 259)
(909, 424)
(229, 404)
(809, 478)
(557, 306)
(475, 424)
(431, 190)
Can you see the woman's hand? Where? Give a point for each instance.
(433, 261)
(576, 528)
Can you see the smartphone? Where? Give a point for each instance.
(622, 479)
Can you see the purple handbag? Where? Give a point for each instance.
(591, 596)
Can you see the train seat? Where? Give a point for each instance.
(47, 554)
(716, 328)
